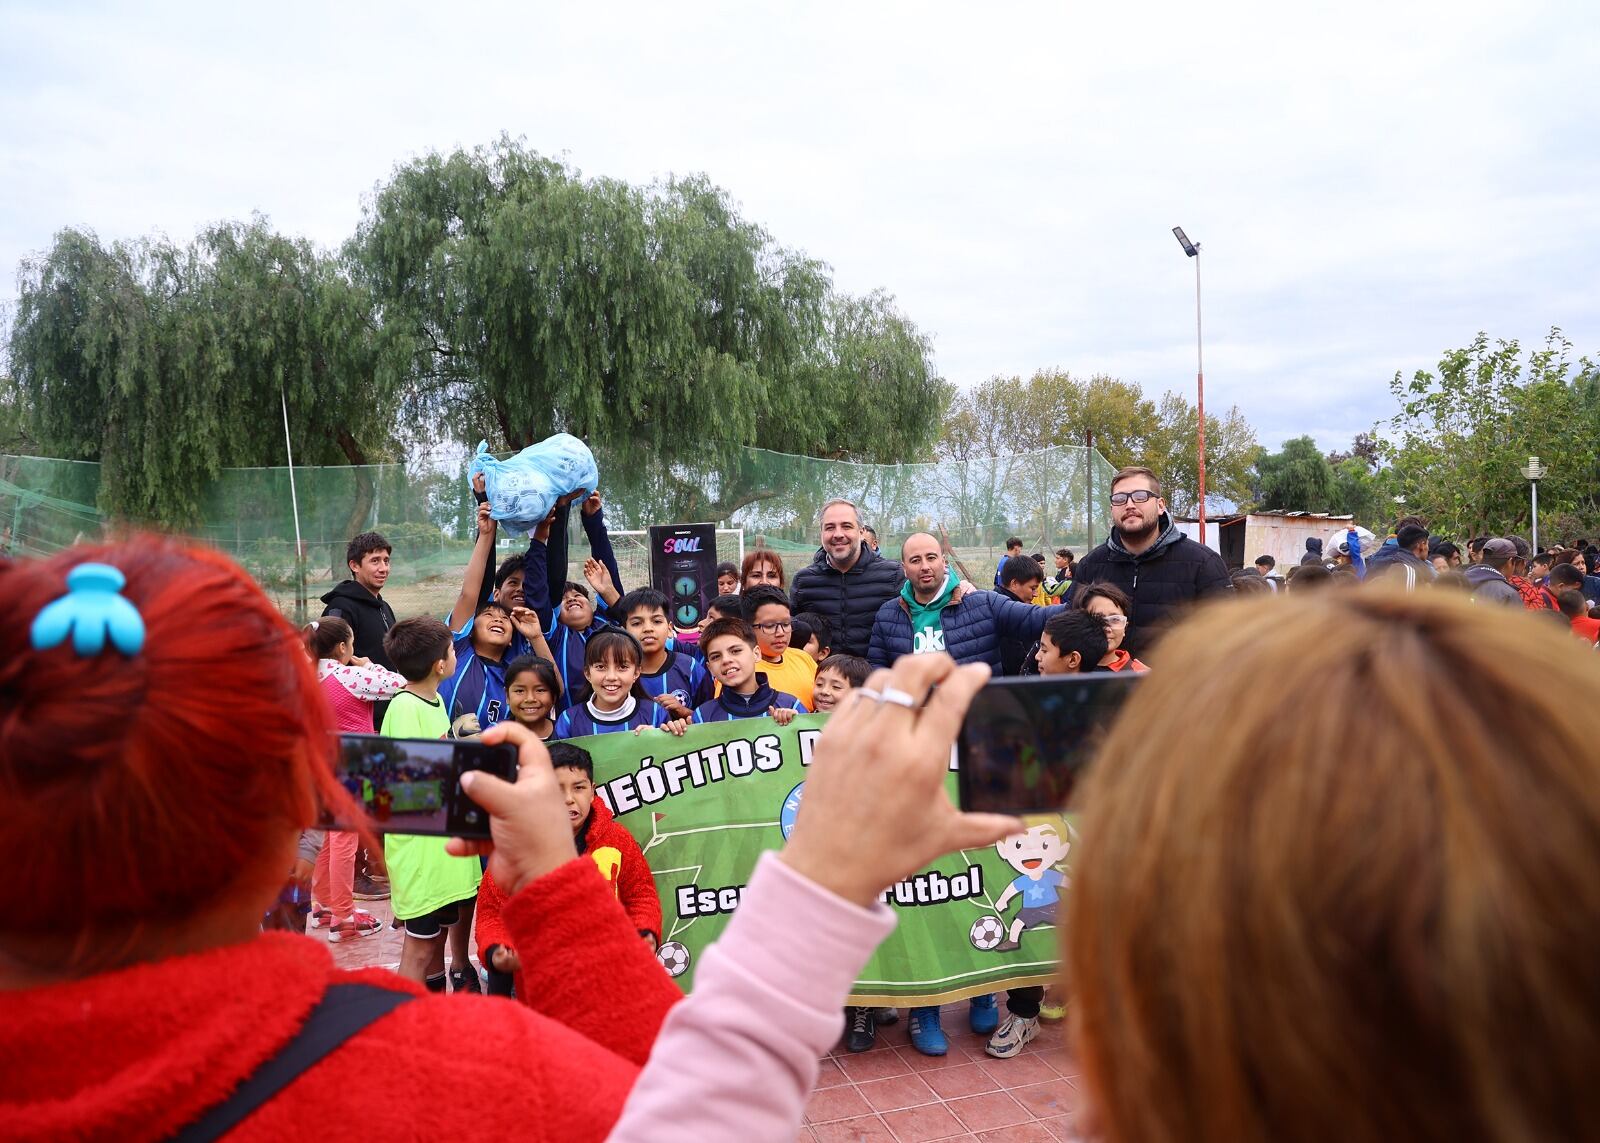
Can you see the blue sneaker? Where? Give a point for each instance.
(927, 1036)
(984, 1015)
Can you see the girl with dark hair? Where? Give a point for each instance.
(533, 688)
(612, 698)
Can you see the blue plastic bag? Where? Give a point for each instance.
(523, 489)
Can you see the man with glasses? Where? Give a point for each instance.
(1160, 568)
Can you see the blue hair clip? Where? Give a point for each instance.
(91, 610)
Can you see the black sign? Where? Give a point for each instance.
(683, 567)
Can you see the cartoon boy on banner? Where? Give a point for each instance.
(1034, 855)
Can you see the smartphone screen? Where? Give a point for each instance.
(413, 785)
(1026, 739)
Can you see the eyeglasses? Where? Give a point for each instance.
(1138, 496)
(773, 628)
(1114, 620)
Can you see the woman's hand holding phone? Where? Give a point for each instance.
(527, 818)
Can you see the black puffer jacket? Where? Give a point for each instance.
(368, 615)
(1162, 579)
(847, 600)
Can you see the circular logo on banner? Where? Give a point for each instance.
(790, 811)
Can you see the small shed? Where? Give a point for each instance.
(1240, 538)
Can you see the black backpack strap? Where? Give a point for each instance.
(343, 1011)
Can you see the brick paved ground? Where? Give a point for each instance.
(893, 1093)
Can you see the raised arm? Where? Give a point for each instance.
(594, 527)
(475, 579)
(1357, 561)
(535, 575)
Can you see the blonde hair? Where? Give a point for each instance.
(1339, 880)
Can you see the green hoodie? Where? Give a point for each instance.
(927, 620)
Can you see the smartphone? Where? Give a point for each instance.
(1026, 739)
(413, 785)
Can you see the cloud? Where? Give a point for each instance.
(1371, 183)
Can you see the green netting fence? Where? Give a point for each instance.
(1051, 498)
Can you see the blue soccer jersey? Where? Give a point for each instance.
(730, 705)
(683, 677)
(583, 720)
(478, 687)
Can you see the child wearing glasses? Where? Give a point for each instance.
(1111, 605)
(788, 669)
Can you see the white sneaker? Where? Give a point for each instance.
(1009, 1038)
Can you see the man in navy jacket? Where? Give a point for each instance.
(933, 612)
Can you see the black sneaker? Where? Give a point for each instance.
(863, 1030)
(366, 889)
(465, 980)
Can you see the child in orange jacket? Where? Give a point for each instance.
(618, 856)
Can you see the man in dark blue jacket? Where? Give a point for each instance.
(934, 612)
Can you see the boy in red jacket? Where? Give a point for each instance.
(618, 856)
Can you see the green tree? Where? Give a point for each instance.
(166, 363)
(1231, 451)
(15, 418)
(1296, 478)
(1006, 417)
(655, 322)
(1462, 435)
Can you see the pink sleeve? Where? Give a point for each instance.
(736, 1061)
(372, 683)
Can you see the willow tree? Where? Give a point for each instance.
(169, 363)
(656, 322)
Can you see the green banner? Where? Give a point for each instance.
(704, 806)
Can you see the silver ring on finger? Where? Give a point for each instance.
(899, 698)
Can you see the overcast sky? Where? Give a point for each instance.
(1372, 183)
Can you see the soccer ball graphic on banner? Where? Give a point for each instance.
(987, 932)
(674, 958)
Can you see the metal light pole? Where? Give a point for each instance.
(1192, 249)
(1534, 473)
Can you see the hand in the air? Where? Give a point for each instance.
(526, 620)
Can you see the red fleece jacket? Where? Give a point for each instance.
(620, 861)
(138, 1053)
